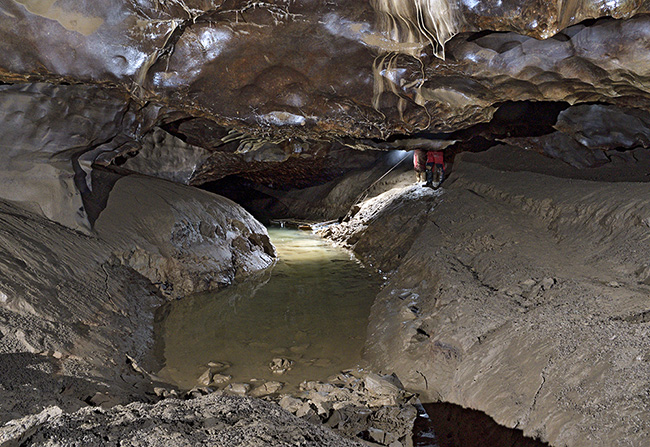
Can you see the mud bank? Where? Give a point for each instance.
(520, 294)
(76, 310)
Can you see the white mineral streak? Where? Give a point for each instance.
(413, 24)
(418, 21)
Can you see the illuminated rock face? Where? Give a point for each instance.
(261, 89)
(305, 68)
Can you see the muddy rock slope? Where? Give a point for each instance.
(521, 293)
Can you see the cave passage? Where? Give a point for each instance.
(311, 308)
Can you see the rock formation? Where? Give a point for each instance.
(290, 106)
(518, 293)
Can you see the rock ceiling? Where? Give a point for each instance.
(241, 81)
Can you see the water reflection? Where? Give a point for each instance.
(448, 425)
(312, 308)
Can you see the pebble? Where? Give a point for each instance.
(290, 404)
(238, 388)
(280, 365)
(219, 366)
(267, 389)
(205, 378)
(220, 379)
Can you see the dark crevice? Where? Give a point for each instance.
(449, 425)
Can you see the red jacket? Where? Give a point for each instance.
(436, 157)
(419, 159)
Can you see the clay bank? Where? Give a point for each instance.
(142, 143)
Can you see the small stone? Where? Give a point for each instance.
(376, 435)
(305, 410)
(307, 385)
(529, 283)
(613, 284)
(334, 419)
(290, 404)
(547, 283)
(205, 378)
(378, 386)
(266, 389)
(220, 379)
(405, 294)
(159, 391)
(280, 365)
(323, 408)
(57, 354)
(239, 389)
(219, 366)
(325, 388)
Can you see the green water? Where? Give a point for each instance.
(312, 307)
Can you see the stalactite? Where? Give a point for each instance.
(418, 22)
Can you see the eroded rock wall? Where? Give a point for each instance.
(522, 295)
(183, 239)
(284, 69)
(73, 306)
(45, 130)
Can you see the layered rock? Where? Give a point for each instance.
(183, 239)
(302, 69)
(522, 295)
(74, 307)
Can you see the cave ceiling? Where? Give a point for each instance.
(278, 78)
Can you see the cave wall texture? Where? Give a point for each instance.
(282, 93)
(284, 87)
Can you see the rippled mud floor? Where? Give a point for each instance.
(312, 308)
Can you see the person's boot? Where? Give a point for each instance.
(429, 182)
(439, 176)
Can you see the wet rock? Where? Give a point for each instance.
(239, 389)
(290, 404)
(220, 379)
(266, 389)
(280, 365)
(205, 378)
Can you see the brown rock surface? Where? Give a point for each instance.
(519, 294)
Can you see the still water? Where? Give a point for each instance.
(312, 308)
